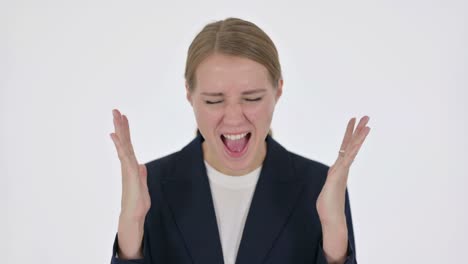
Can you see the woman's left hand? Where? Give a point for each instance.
(331, 200)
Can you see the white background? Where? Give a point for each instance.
(64, 65)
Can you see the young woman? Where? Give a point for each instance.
(234, 194)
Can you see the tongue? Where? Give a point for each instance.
(236, 145)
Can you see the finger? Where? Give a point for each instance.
(123, 133)
(358, 135)
(352, 144)
(348, 133)
(118, 147)
(120, 127)
(117, 122)
(124, 155)
(126, 134)
(119, 133)
(346, 140)
(362, 123)
(126, 129)
(355, 149)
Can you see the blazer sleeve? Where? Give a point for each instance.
(351, 252)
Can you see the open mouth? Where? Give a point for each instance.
(236, 145)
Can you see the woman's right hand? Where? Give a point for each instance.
(136, 200)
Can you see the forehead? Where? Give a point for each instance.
(230, 74)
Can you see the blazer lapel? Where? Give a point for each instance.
(188, 193)
(275, 196)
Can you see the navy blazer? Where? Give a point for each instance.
(282, 225)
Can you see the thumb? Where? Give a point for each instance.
(142, 170)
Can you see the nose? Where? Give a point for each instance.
(233, 114)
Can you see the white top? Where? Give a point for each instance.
(231, 197)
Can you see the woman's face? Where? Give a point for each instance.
(233, 104)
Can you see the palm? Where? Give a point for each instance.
(331, 201)
(135, 196)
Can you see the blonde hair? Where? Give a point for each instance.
(237, 37)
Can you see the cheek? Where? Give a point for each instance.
(260, 113)
(207, 116)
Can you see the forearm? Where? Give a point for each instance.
(130, 236)
(335, 241)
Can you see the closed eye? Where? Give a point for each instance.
(247, 99)
(253, 99)
(213, 102)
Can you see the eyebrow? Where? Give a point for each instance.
(243, 93)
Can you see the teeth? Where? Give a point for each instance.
(235, 137)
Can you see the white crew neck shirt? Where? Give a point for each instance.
(232, 196)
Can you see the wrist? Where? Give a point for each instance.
(335, 222)
(131, 218)
(130, 238)
(335, 243)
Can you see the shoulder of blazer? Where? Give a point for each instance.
(161, 168)
(157, 169)
(312, 171)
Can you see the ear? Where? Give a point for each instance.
(189, 94)
(279, 90)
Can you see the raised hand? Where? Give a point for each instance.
(136, 200)
(331, 201)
